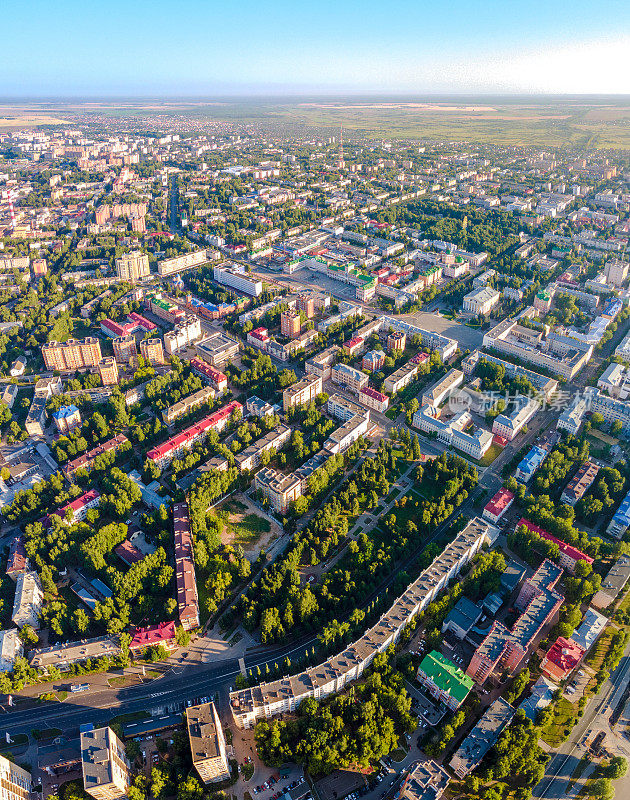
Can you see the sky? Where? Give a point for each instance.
(249, 47)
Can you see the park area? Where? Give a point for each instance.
(246, 527)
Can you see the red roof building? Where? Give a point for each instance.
(87, 459)
(128, 553)
(187, 598)
(496, 508)
(562, 658)
(80, 506)
(354, 345)
(141, 322)
(163, 454)
(216, 378)
(114, 329)
(162, 633)
(569, 555)
(17, 563)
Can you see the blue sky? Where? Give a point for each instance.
(67, 47)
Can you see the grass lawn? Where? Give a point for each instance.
(489, 457)
(391, 413)
(16, 741)
(135, 716)
(398, 754)
(554, 733)
(248, 530)
(46, 733)
(235, 506)
(603, 437)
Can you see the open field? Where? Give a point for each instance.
(584, 123)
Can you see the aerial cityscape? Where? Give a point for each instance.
(314, 403)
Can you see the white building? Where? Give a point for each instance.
(186, 333)
(29, 599)
(10, 648)
(510, 425)
(572, 417)
(481, 301)
(348, 376)
(237, 278)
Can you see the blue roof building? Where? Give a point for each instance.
(529, 465)
(618, 525)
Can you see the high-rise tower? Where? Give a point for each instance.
(341, 163)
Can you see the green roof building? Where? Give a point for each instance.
(444, 680)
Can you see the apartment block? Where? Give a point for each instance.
(108, 370)
(217, 379)
(482, 737)
(579, 484)
(290, 323)
(171, 266)
(322, 363)
(16, 782)
(510, 425)
(237, 278)
(285, 694)
(442, 389)
(275, 439)
(348, 376)
(125, 349)
(72, 355)
(207, 743)
(504, 649)
(402, 377)
(187, 598)
(375, 400)
(188, 404)
(280, 490)
(152, 351)
(133, 267)
(301, 392)
(217, 349)
(28, 600)
(186, 333)
(341, 439)
(444, 680)
(106, 771)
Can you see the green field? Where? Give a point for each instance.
(593, 123)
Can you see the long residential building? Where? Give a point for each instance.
(86, 461)
(442, 389)
(164, 453)
(510, 425)
(432, 340)
(322, 363)
(28, 600)
(187, 599)
(186, 333)
(620, 522)
(171, 266)
(72, 355)
(285, 694)
(275, 439)
(402, 377)
(16, 781)
(207, 743)
(216, 378)
(188, 404)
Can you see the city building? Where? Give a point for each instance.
(207, 743)
(171, 266)
(259, 408)
(273, 440)
(613, 584)
(482, 737)
(348, 376)
(164, 453)
(217, 379)
(396, 341)
(571, 418)
(11, 647)
(442, 389)
(188, 404)
(402, 377)
(373, 361)
(76, 510)
(86, 460)
(133, 267)
(285, 694)
(341, 439)
(444, 680)
(72, 355)
(237, 278)
(569, 555)
(561, 659)
(217, 349)
(322, 363)
(108, 370)
(620, 522)
(186, 333)
(498, 505)
(16, 782)
(187, 598)
(278, 489)
(106, 771)
(290, 323)
(505, 650)
(579, 484)
(67, 418)
(462, 618)
(152, 351)
(425, 780)
(563, 355)
(372, 399)
(302, 392)
(589, 630)
(541, 383)
(28, 600)
(125, 349)
(530, 463)
(542, 695)
(354, 347)
(510, 425)
(481, 301)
